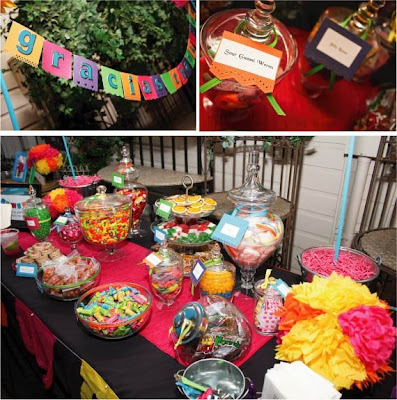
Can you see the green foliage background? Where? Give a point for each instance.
(129, 36)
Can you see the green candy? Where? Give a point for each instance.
(44, 218)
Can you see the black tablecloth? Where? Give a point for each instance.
(133, 367)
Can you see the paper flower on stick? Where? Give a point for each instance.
(58, 199)
(45, 158)
(6, 4)
(338, 328)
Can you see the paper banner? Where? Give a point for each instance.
(168, 82)
(192, 21)
(24, 44)
(176, 78)
(191, 11)
(183, 73)
(147, 88)
(190, 58)
(180, 3)
(192, 29)
(159, 86)
(111, 80)
(191, 48)
(131, 86)
(85, 73)
(187, 67)
(57, 60)
(192, 39)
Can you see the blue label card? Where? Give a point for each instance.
(117, 180)
(337, 48)
(281, 287)
(26, 270)
(164, 208)
(197, 272)
(230, 230)
(159, 235)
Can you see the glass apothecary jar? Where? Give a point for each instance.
(105, 220)
(37, 216)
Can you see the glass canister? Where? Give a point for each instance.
(166, 278)
(137, 192)
(105, 220)
(219, 278)
(267, 302)
(211, 327)
(37, 216)
(265, 229)
(70, 233)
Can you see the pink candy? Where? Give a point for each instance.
(81, 180)
(321, 261)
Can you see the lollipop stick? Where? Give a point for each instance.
(344, 198)
(68, 156)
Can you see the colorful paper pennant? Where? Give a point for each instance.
(176, 78)
(191, 48)
(131, 86)
(57, 60)
(24, 44)
(85, 73)
(182, 73)
(111, 80)
(192, 39)
(159, 86)
(147, 88)
(168, 82)
(191, 60)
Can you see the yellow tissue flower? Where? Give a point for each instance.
(56, 192)
(59, 160)
(42, 167)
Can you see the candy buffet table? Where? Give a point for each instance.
(134, 367)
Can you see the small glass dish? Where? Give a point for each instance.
(120, 328)
(72, 291)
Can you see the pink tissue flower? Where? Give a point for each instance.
(371, 333)
(81, 180)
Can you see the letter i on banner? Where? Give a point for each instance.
(131, 86)
(147, 88)
(57, 60)
(159, 86)
(111, 80)
(85, 73)
(24, 44)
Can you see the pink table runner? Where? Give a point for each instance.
(127, 270)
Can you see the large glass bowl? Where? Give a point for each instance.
(121, 328)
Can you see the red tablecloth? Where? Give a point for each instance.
(127, 270)
(337, 110)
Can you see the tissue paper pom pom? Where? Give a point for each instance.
(59, 199)
(335, 294)
(371, 333)
(42, 167)
(73, 197)
(321, 345)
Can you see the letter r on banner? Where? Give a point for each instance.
(57, 60)
(131, 86)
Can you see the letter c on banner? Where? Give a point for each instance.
(111, 81)
(26, 41)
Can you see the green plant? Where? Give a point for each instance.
(129, 36)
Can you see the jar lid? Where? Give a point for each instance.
(169, 256)
(192, 313)
(252, 191)
(126, 168)
(33, 200)
(102, 201)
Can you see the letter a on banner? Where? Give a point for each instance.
(147, 88)
(131, 86)
(57, 60)
(111, 80)
(24, 44)
(85, 73)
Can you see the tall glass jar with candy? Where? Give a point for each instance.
(37, 216)
(137, 192)
(265, 229)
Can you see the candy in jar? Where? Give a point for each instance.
(212, 327)
(267, 302)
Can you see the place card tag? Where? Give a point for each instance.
(159, 235)
(117, 180)
(164, 208)
(246, 61)
(32, 223)
(61, 220)
(197, 272)
(337, 48)
(153, 259)
(281, 287)
(26, 270)
(230, 230)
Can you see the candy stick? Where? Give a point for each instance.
(344, 198)
(7, 99)
(68, 156)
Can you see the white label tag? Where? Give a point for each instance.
(230, 230)
(153, 259)
(164, 207)
(248, 59)
(117, 179)
(61, 220)
(160, 236)
(30, 222)
(338, 47)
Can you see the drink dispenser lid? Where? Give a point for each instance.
(252, 191)
(189, 320)
(126, 168)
